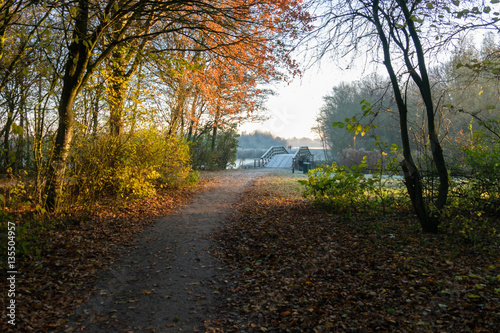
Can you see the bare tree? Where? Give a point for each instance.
(402, 35)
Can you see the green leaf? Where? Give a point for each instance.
(495, 1)
(490, 107)
(456, 2)
(359, 128)
(430, 5)
(416, 19)
(16, 129)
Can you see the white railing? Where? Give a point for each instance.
(273, 151)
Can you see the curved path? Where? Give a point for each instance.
(166, 283)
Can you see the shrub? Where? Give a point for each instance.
(482, 171)
(136, 167)
(219, 156)
(337, 187)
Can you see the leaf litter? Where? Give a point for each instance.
(297, 268)
(55, 282)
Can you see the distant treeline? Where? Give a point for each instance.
(260, 140)
(264, 140)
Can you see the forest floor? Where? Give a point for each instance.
(296, 267)
(126, 266)
(243, 251)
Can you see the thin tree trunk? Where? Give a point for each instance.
(214, 131)
(95, 114)
(423, 84)
(411, 173)
(76, 65)
(214, 136)
(6, 141)
(117, 108)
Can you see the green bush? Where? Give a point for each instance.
(215, 155)
(477, 186)
(337, 187)
(134, 168)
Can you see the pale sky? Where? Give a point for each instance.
(294, 109)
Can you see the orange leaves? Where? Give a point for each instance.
(240, 52)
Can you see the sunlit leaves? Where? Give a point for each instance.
(16, 129)
(353, 125)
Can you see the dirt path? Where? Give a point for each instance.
(168, 281)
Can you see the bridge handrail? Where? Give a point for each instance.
(303, 151)
(274, 150)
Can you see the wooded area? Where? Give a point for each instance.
(407, 38)
(87, 85)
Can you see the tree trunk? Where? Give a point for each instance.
(214, 136)
(214, 131)
(123, 57)
(79, 55)
(6, 141)
(119, 84)
(424, 86)
(117, 108)
(95, 115)
(411, 174)
(57, 168)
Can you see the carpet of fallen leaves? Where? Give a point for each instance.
(52, 284)
(297, 268)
